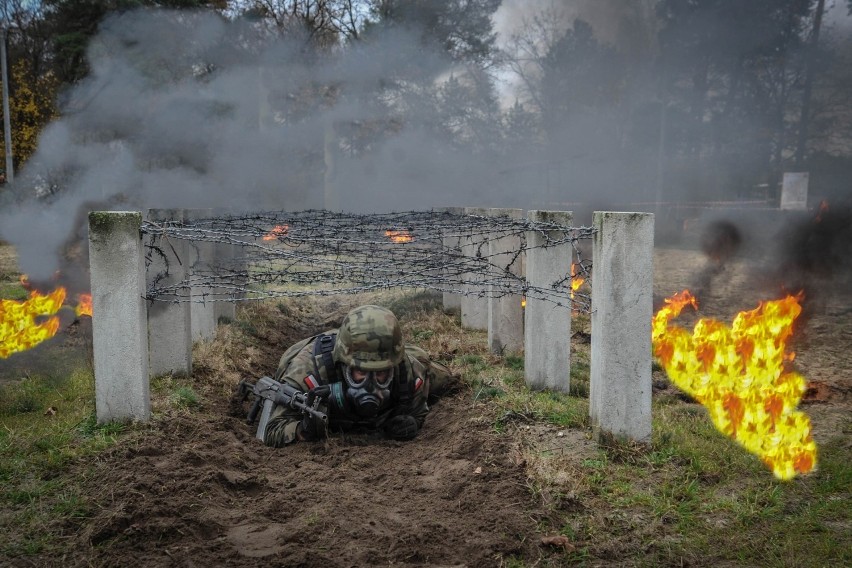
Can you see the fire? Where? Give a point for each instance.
(19, 328)
(575, 281)
(277, 231)
(401, 236)
(84, 305)
(740, 375)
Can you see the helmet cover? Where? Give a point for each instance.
(369, 339)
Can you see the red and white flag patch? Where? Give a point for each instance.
(311, 382)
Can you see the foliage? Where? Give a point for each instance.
(462, 29)
(31, 108)
(732, 75)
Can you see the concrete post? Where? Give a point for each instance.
(119, 329)
(547, 326)
(202, 309)
(452, 245)
(794, 191)
(224, 258)
(169, 319)
(620, 389)
(474, 303)
(505, 311)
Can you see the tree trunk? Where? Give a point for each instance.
(804, 119)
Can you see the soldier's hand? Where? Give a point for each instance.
(310, 429)
(403, 427)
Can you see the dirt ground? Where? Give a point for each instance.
(196, 489)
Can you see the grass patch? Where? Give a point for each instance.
(46, 424)
(171, 392)
(13, 291)
(694, 496)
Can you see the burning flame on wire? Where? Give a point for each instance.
(739, 374)
(277, 231)
(22, 326)
(399, 236)
(575, 281)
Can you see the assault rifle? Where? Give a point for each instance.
(268, 392)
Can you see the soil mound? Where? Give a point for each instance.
(199, 490)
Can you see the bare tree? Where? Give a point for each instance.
(325, 23)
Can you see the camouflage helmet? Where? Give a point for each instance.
(369, 338)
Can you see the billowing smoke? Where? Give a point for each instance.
(815, 255)
(191, 110)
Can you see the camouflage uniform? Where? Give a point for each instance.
(414, 376)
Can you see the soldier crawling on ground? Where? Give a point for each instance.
(369, 379)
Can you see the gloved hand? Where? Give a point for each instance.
(310, 429)
(403, 427)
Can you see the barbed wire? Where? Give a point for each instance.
(320, 253)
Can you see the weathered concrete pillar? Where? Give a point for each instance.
(505, 311)
(224, 262)
(224, 258)
(547, 327)
(119, 328)
(474, 303)
(202, 309)
(620, 389)
(169, 319)
(452, 245)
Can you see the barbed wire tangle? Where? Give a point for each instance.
(320, 253)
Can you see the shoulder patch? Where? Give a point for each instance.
(311, 382)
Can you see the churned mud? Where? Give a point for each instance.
(201, 491)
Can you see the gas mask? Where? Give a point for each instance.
(368, 392)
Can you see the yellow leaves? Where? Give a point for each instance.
(31, 108)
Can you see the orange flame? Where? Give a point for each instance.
(575, 281)
(276, 232)
(19, 330)
(84, 305)
(739, 374)
(399, 236)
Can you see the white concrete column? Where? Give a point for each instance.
(169, 319)
(620, 389)
(505, 312)
(474, 303)
(547, 326)
(119, 327)
(452, 301)
(202, 309)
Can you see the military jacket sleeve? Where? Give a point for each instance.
(281, 428)
(415, 402)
